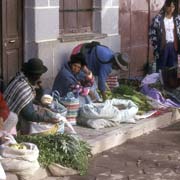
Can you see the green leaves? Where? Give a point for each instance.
(64, 149)
(129, 92)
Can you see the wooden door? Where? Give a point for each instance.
(12, 38)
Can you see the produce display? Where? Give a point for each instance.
(66, 150)
(128, 92)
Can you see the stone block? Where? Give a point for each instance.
(54, 2)
(41, 3)
(110, 21)
(46, 24)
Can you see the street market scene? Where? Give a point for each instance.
(90, 89)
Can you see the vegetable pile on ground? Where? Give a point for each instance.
(135, 83)
(128, 92)
(66, 150)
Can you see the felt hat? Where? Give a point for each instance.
(122, 60)
(34, 66)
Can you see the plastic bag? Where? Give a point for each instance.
(2, 173)
(107, 114)
(23, 162)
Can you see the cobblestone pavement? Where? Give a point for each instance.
(155, 156)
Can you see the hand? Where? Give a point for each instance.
(86, 70)
(89, 75)
(53, 120)
(92, 95)
(85, 92)
(39, 84)
(103, 93)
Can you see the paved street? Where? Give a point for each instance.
(150, 157)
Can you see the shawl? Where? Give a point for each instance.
(18, 93)
(66, 81)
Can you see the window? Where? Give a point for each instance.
(75, 16)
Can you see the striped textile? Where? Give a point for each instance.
(18, 93)
(71, 103)
(72, 106)
(112, 81)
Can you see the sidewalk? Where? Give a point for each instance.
(104, 139)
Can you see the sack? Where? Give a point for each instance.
(84, 48)
(29, 127)
(23, 162)
(58, 170)
(44, 128)
(2, 173)
(107, 114)
(30, 153)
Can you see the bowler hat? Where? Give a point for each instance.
(34, 66)
(122, 60)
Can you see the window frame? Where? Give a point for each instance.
(93, 33)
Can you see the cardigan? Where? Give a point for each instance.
(156, 33)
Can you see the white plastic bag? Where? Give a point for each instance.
(31, 153)
(107, 114)
(64, 121)
(23, 162)
(2, 173)
(43, 128)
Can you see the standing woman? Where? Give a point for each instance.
(165, 34)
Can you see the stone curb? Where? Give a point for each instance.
(129, 131)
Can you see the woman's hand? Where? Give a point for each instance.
(52, 120)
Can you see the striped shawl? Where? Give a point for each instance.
(18, 93)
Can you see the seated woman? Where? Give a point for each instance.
(21, 92)
(8, 119)
(75, 77)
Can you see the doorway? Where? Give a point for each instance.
(11, 39)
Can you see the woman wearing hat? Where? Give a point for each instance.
(100, 60)
(20, 92)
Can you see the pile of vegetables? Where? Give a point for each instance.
(135, 83)
(64, 149)
(128, 92)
